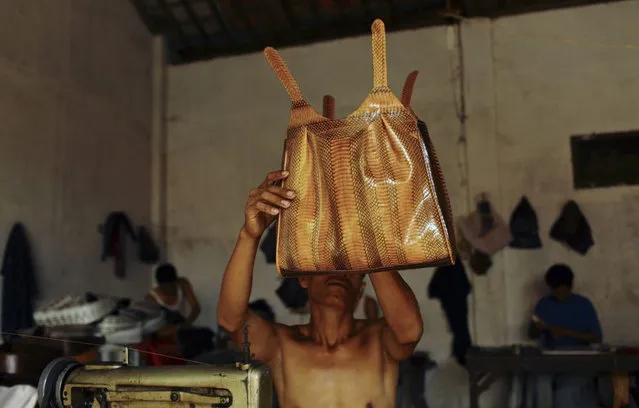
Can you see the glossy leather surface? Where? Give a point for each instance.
(370, 192)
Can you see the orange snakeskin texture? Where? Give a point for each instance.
(370, 194)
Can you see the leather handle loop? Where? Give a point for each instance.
(328, 107)
(283, 74)
(380, 79)
(409, 85)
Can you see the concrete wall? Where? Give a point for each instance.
(556, 75)
(530, 83)
(75, 120)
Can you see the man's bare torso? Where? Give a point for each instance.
(357, 373)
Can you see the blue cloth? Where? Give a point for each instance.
(562, 391)
(575, 313)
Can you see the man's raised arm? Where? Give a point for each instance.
(403, 323)
(264, 203)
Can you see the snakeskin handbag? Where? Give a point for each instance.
(370, 194)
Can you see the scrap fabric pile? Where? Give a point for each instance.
(118, 321)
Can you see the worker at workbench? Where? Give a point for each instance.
(564, 320)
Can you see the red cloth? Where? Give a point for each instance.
(155, 352)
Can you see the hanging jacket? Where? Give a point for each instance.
(19, 283)
(524, 226)
(572, 229)
(450, 285)
(114, 231)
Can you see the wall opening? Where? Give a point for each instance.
(605, 159)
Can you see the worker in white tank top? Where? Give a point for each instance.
(174, 293)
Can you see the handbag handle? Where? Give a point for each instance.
(409, 85)
(380, 76)
(328, 107)
(284, 75)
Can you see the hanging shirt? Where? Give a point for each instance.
(575, 313)
(180, 306)
(572, 229)
(524, 226)
(18, 282)
(451, 286)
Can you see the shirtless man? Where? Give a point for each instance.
(333, 361)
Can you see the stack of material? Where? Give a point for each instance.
(113, 320)
(74, 310)
(131, 324)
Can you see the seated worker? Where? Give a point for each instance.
(565, 319)
(334, 360)
(175, 294)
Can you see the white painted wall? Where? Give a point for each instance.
(531, 82)
(75, 120)
(555, 75)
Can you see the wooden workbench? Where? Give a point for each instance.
(485, 365)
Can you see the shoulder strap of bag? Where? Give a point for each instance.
(380, 79)
(284, 75)
(328, 107)
(409, 85)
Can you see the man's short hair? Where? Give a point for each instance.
(559, 275)
(165, 273)
(262, 308)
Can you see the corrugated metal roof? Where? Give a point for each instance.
(205, 29)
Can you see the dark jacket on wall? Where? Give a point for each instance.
(524, 226)
(450, 285)
(19, 284)
(572, 229)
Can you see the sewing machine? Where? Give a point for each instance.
(64, 383)
(67, 384)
